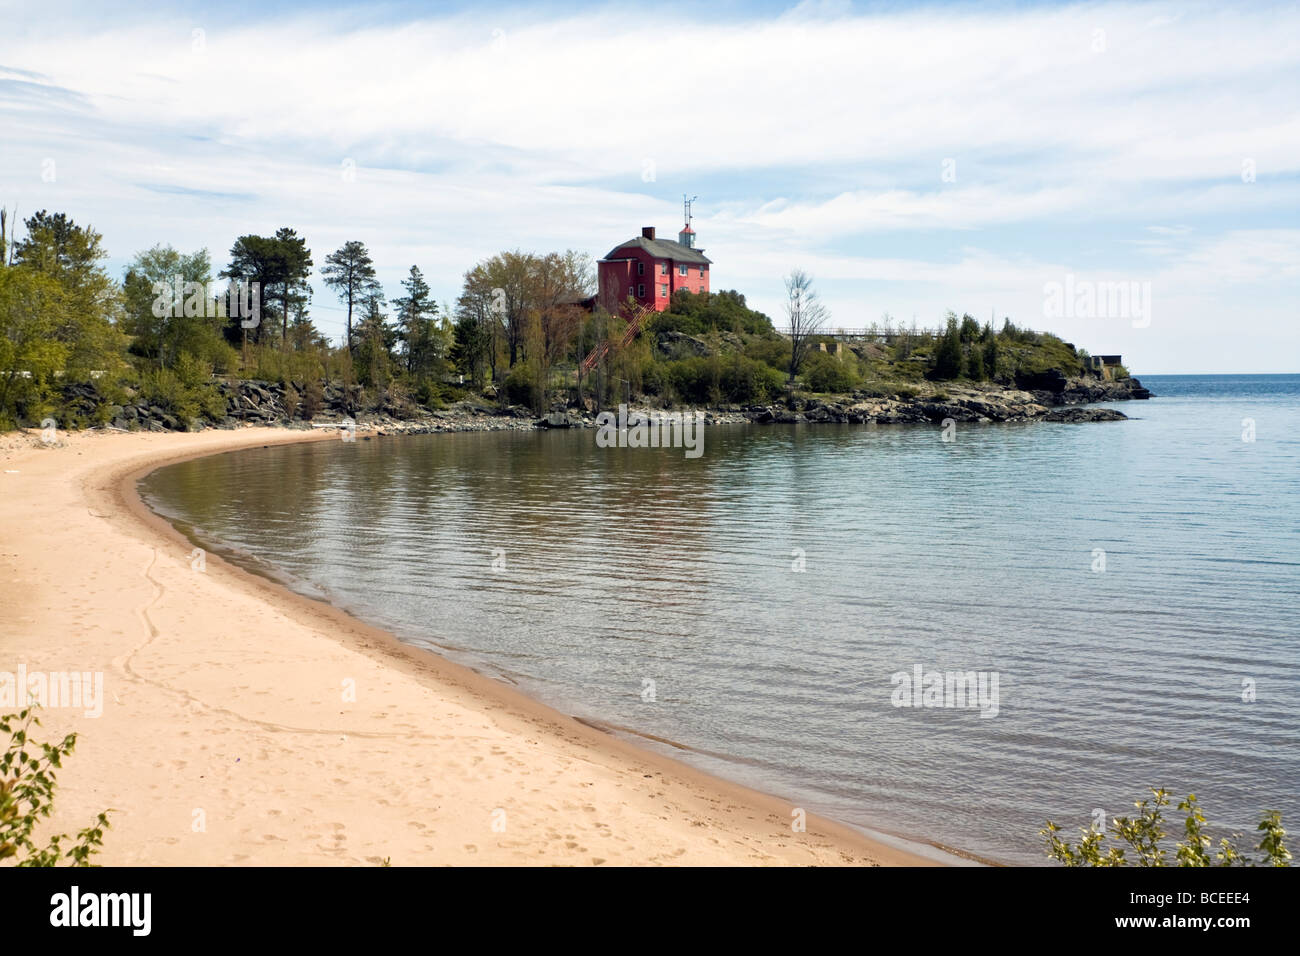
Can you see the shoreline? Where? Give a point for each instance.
(683, 816)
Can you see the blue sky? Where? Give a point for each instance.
(914, 158)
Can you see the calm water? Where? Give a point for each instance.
(629, 566)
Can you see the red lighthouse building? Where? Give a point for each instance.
(648, 270)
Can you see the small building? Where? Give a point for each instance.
(649, 270)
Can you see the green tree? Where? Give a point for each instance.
(990, 354)
(303, 334)
(478, 325)
(350, 272)
(948, 354)
(86, 311)
(293, 272)
(149, 287)
(422, 339)
(376, 339)
(253, 259)
(469, 347)
(970, 329)
(30, 351)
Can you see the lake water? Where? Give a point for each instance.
(1127, 582)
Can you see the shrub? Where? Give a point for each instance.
(521, 386)
(745, 380)
(694, 380)
(774, 352)
(1143, 837)
(313, 400)
(185, 392)
(291, 401)
(710, 380)
(27, 795)
(696, 313)
(654, 379)
(430, 394)
(823, 372)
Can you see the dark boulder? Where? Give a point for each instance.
(1074, 414)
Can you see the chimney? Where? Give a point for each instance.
(647, 232)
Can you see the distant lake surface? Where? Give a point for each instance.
(1128, 583)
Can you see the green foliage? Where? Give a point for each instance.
(991, 355)
(186, 392)
(521, 386)
(1143, 836)
(375, 340)
(424, 340)
(695, 313)
(150, 287)
(770, 350)
(27, 784)
(825, 373)
(703, 380)
(948, 355)
(350, 272)
(30, 351)
(471, 340)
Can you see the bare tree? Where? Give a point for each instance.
(807, 315)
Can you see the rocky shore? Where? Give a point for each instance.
(1048, 397)
(1054, 400)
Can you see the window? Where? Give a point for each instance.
(640, 268)
(640, 291)
(701, 272)
(663, 268)
(663, 290)
(683, 270)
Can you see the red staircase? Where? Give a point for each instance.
(634, 325)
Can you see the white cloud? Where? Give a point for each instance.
(823, 132)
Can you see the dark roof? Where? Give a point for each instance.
(661, 249)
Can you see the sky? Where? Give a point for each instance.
(1002, 160)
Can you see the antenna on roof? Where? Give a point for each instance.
(687, 236)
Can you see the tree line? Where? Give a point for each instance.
(173, 326)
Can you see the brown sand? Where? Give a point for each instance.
(224, 705)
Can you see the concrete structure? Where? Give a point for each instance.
(1105, 365)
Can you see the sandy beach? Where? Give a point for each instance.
(245, 725)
